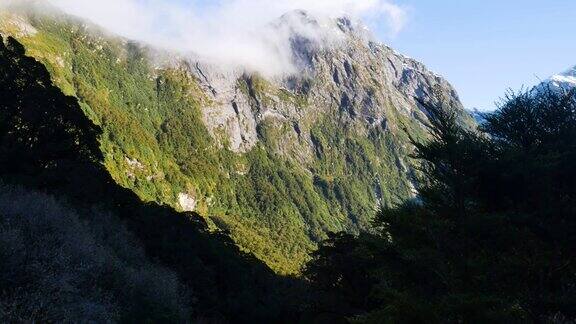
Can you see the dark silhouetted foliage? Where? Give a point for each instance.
(62, 266)
(42, 132)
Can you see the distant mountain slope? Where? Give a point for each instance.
(277, 162)
(562, 81)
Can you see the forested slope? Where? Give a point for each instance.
(78, 247)
(277, 162)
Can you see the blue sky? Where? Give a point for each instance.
(485, 47)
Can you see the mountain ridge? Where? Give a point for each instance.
(277, 162)
(564, 80)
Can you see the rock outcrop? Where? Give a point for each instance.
(344, 72)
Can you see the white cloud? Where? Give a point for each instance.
(226, 31)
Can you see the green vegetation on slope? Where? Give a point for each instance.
(155, 143)
(70, 259)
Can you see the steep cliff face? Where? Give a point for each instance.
(347, 75)
(277, 161)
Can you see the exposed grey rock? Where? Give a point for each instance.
(351, 76)
(229, 110)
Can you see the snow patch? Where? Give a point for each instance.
(559, 79)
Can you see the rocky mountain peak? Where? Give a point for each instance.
(322, 31)
(560, 82)
(565, 79)
(300, 16)
(339, 71)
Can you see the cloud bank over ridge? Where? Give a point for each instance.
(227, 32)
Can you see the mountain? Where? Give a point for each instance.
(562, 81)
(275, 162)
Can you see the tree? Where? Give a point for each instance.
(491, 235)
